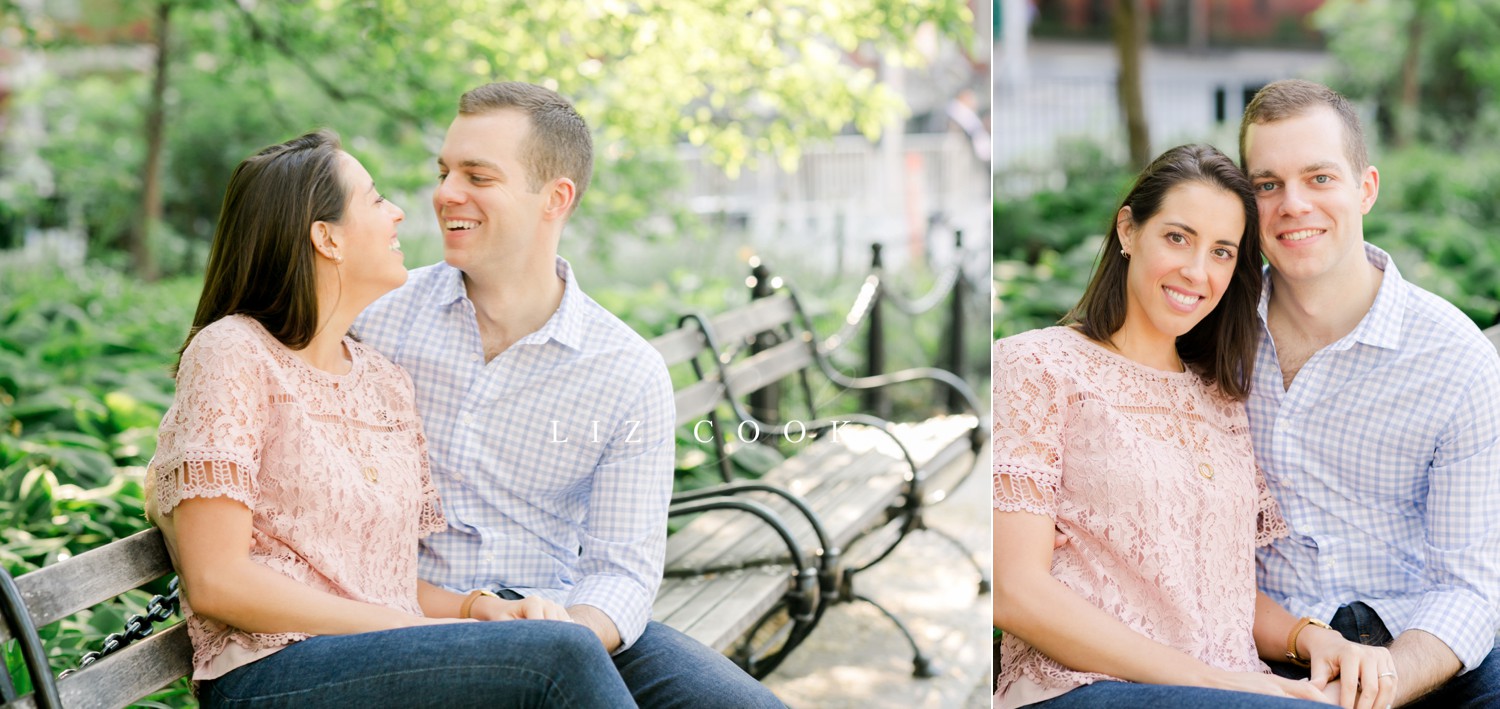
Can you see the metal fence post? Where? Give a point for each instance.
(956, 320)
(876, 401)
(766, 403)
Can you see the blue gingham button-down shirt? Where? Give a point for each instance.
(554, 460)
(1385, 457)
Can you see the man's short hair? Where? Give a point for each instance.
(559, 145)
(1290, 98)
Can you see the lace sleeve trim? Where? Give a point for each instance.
(1269, 524)
(204, 474)
(1020, 490)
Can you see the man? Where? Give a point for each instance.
(550, 422)
(1375, 412)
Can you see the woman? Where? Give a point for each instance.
(291, 480)
(1124, 434)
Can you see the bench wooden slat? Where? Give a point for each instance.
(721, 536)
(55, 592)
(736, 544)
(768, 367)
(680, 345)
(757, 317)
(697, 399)
(674, 592)
(752, 594)
(127, 675)
(851, 492)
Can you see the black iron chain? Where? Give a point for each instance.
(137, 627)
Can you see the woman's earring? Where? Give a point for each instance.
(338, 258)
(1125, 253)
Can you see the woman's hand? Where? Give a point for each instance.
(1365, 675)
(487, 608)
(1268, 684)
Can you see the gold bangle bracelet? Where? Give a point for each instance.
(1291, 641)
(463, 610)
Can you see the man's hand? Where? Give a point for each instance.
(595, 620)
(532, 608)
(1423, 662)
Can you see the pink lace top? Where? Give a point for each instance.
(332, 467)
(1151, 476)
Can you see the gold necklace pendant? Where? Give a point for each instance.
(374, 477)
(1206, 470)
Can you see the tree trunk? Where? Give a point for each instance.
(1130, 36)
(1406, 111)
(150, 212)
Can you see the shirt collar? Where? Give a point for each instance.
(1381, 326)
(566, 325)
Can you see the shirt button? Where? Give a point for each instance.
(467, 419)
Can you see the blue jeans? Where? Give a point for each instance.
(667, 670)
(518, 663)
(1128, 695)
(1479, 687)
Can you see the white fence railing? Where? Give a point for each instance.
(849, 193)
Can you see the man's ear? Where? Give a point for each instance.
(1369, 188)
(561, 195)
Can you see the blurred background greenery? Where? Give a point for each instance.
(120, 123)
(1426, 74)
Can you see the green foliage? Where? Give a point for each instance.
(83, 384)
(1047, 243)
(1458, 62)
(1437, 217)
(734, 76)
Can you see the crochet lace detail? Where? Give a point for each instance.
(333, 468)
(1151, 476)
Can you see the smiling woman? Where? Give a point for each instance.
(1124, 435)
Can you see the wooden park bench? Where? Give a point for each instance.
(735, 577)
(750, 574)
(52, 593)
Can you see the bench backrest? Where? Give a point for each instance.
(733, 331)
(62, 589)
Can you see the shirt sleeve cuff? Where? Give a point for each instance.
(1461, 619)
(623, 600)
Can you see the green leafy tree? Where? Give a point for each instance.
(1431, 66)
(741, 78)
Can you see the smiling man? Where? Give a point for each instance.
(550, 421)
(1375, 412)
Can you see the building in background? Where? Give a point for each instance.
(1055, 79)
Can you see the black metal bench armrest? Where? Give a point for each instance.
(827, 554)
(44, 687)
(903, 376)
(804, 601)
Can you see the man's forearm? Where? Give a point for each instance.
(595, 620)
(1423, 663)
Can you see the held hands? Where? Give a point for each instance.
(525, 609)
(1268, 684)
(1356, 676)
